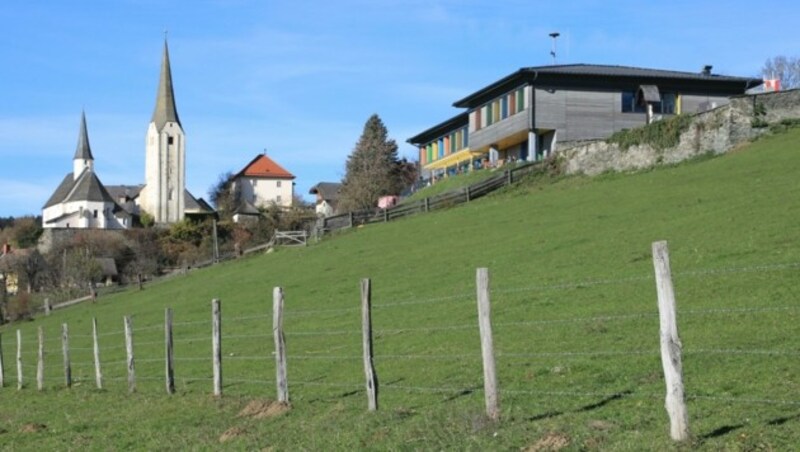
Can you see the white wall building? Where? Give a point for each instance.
(262, 183)
(81, 200)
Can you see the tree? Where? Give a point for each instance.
(29, 266)
(783, 68)
(224, 195)
(372, 169)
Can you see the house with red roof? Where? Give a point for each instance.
(263, 182)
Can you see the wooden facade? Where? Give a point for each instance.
(528, 113)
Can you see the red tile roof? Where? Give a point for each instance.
(263, 166)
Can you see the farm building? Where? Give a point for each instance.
(327, 197)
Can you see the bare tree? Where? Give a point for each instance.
(787, 69)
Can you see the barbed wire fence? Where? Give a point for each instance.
(103, 356)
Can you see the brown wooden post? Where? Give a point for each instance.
(487, 346)
(427, 204)
(2, 365)
(129, 352)
(169, 367)
(40, 361)
(670, 345)
(385, 215)
(98, 374)
(366, 328)
(216, 345)
(351, 219)
(139, 280)
(508, 177)
(467, 191)
(47, 307)
(19, 360)
(65, 352)
(280, 345)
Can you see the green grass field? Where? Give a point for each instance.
(574, 315)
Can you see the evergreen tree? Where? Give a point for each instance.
(372, 169)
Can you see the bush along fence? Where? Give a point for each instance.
(444, 200)
(280, 238)
(671, 349)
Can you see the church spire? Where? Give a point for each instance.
(165, 99)
(83, 159)
(83, 151)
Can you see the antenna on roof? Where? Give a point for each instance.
(265, 151)
(554, 35)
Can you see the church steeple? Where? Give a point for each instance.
(165, 155)
(83, 153)
(165, 110)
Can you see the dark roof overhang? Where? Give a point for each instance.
(456, 122)
(588, 76)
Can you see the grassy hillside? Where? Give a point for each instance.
(574, 317)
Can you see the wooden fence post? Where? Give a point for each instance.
(2, 365)
(670, 345)
(467, 191)
(129, 352)
(19, 360)
(40, 362)
(65, 352)
(351, 219)
(427, 204)
(47, 307)
(366, 328)
(487, 346)
(169, 369)
(508, 177)
(385, 215)
(139, 280)
(98, 374)
(280, 345)
(216, 242)
(216, 344)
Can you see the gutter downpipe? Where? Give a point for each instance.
(532, 147)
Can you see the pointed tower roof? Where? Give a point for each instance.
(165, 99)
(83, 151)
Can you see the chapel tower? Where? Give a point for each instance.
(165, 155)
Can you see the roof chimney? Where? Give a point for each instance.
(706, 69)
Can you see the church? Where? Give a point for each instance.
(82, 201)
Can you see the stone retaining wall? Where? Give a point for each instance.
(716, 131)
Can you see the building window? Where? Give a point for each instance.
(278, 184)
(170, 140)
(668, 103)
(169, 195)
(94, 214)
(278, 199)
(629, 104)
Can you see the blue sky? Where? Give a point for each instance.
(300, 78)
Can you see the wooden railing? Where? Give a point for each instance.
(444, 200)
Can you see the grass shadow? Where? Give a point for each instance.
(724, 430)
(605, 401)
(783, 420)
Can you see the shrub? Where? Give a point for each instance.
(660, 135)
